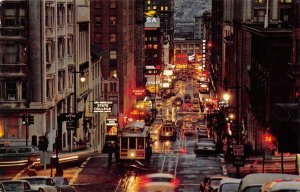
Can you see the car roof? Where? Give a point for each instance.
(13, 181)
(258, 179)
(167, 175)
(230, 180)
(37, 177)
(285, 185)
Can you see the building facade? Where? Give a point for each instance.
(41, 70)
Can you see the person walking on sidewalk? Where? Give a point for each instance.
(110, 151)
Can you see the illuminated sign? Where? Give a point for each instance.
(152, 22)
(165, 85)
(168, 72)
(138, 92)
(111, 121)
(181, 58)
(191, 57)
(102, 106)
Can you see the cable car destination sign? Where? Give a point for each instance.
(103, 106)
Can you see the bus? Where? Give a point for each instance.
(135, 142)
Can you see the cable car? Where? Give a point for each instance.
(134, 141)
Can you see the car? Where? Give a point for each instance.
(158, 182)
(16, 153)
(62, 184)
(16, 186)
(41, 183)
(229, 185)
(204, 148)
(253, 182)
(204, 88)
(188, 128)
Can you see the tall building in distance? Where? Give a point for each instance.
(114, 27)
(37, 75)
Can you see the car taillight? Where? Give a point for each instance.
(176, 182)
(144, 180)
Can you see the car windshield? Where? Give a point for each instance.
(13, 186)
(253, 189)
(36, 181)
(229, 187)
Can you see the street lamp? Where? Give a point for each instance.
(82, 79)
(226, 97)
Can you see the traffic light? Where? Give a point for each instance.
(43, 143)
(31, 119)
(24, 119)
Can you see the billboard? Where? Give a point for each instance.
(152, 22)
(181, 58)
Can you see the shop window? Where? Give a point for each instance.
(1, 127)
(13, 127)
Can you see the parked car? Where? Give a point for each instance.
(253, 182)
(16, 153)
(229, 185)
(158, 182)
(16, 186)
(41, 183)
(62, 184)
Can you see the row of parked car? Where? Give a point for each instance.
(37, 184)
(256, 182)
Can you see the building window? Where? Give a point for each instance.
(24, 89)
(286, 1)
(112, 38)
(49, 15)
(60, 14)
(10, 18)
(11, 54)
(98, 21)
(61, 47)
(112, 21)
(112, 4)
(166, 8)
(112, 54)
(70, 45)
(49, 51)
(97, 38)
(70, 12)
(49, 92)
(11, 90)
(61, 81)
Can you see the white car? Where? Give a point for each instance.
(158, 182)
(205, 147)
(41, 183)
(290, 185)
(229, 185)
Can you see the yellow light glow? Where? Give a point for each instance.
(231, 116)
(226, 96)
(132, 154)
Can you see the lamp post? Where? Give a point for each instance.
(82, 79)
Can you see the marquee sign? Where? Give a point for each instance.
(138, 92)
(102, 106)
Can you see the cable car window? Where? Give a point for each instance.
(140, 142)
(124, 143)
(132, 143)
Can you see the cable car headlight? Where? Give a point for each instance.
(132, 154)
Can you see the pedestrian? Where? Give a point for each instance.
(110, 152)
(74, 141)
(117, 152)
